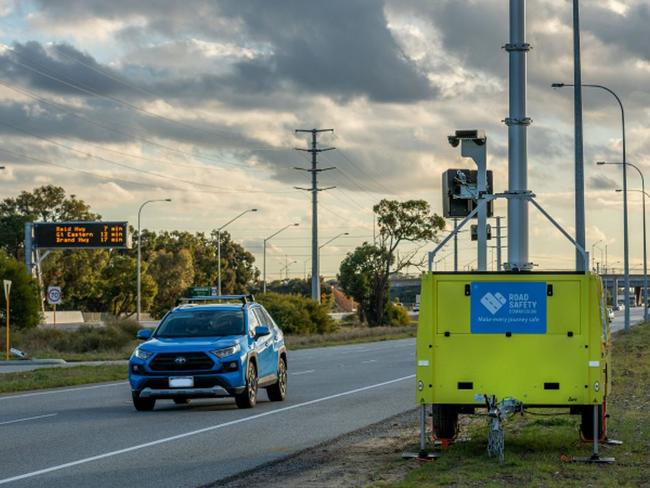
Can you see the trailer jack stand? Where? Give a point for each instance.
(595, 457)
(423, 454)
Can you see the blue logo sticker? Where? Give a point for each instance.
(510, 306)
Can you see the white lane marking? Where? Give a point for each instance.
(50, 392)
(199, 431)
(28, 418)
(298, 373)
(369, 361)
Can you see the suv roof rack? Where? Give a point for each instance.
(248, 298)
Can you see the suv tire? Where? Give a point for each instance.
(248, 398)
(142, 404)
(277, 392)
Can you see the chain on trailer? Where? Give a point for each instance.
(498, 413)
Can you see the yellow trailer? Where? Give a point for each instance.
(539, 338)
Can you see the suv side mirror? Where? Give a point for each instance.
(262, 331)
(144, 334)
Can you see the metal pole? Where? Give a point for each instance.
(264, 259)
(29, 250)
(315, 270)
(455, 246)
(517, 123)
(579, 153)
(498, 243)
(219, 262)
(645, 260)
(423, 430)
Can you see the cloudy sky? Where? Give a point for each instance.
(121, 101)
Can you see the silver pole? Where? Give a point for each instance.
(423, 429)
(29, 250)
(219, 262)
(517, 123)
(579, 153)
(315, 269)
(455, 246)
(264, 278)
(139, 263)
(498, 243)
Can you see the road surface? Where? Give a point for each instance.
(92, 436)
(636, 316)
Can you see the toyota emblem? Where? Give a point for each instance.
(180, 360)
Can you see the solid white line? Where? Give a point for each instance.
(298, 373)
(199, 431)
(369, 361)
(28, 418)
(50, 392)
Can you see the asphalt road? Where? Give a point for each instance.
(92, 436)
(636, 316)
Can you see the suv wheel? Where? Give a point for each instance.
(248, 398)
(278, 391)
(142, 404)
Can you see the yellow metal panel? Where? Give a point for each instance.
(565, 366)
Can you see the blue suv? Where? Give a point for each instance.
(210, 350)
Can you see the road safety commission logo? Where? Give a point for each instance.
(493, 302)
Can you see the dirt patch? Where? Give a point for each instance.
(371, 455)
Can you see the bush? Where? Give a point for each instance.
(397, 315)
(115, 336)
(296, 314)
(25, 309)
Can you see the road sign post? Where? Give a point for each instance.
(7, 287)
(54, 298)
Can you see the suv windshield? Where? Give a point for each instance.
(202, 323)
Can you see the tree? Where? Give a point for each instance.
(364, 273)
(25, 310)
(119, 290)
(173, 273)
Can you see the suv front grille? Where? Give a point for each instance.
(181, 361)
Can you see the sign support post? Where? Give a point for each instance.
(7, 287)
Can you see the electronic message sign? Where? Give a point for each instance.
(80, 235)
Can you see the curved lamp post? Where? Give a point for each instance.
(268, 239)
(139, 263)
(219, 245)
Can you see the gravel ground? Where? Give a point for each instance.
(365, 457)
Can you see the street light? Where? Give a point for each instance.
(626, 247)
(139, 263)
(333, 239)
(645, 254)
(592, 252)
(219, 246)
(269, 238)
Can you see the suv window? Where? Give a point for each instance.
(202, 323)
(268, 320)
(253, 322)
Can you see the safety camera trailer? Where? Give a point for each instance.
(515, 339)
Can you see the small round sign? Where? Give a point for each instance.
(53, 295)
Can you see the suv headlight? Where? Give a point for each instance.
(227, 351)
(142, 354)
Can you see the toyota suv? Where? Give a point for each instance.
(210, 350)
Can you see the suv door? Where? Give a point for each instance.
(263, 346)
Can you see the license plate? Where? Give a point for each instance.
(181, 382)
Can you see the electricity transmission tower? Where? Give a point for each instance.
(314, 170)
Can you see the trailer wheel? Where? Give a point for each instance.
(587, 424)
(445, 421)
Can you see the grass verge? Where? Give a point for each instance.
(350, 335)
(534, 444)
(57, 377)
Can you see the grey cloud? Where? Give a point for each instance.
(602, 182)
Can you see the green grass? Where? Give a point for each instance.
(534, 444)
(350, 335)
(56, 377)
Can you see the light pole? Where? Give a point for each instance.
(219, 246)
(592, 252)
(265, 241)
(139, 263)
(285, 268)
(645, 254)
(333, 239)
(626, 247)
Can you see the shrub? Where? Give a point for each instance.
(296, 314)
(25, 311)
(397, 315)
